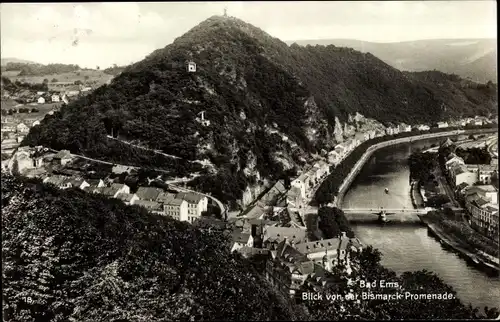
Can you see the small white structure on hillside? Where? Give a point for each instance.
(41, 100)
(55, 98)
(191, 67)
(202, 120)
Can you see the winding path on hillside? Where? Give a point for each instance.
(152, 150)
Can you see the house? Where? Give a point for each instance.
(302, 183)
(65, 99)
(487, 192)
(78, 183)
(328, 252)
(359, 138)
(423, 127)
(257, 211)
(288, 269)
(95, 183)
(148, 193)
(459, 189)
(63, 157)
(121, 188)
(294, 198)
(118, 169)
(323, 169)
(249, 252)
(177, 209)
(334, 157)
(110, 192)
(240, 239)
(197, 204)
(274, 193)
(485, 172)
(61, 182)
(405, 128)
(389, 131)
(127, 198)
(340, 149)
(22, 128)
(41, 100)
(55, 98)
(460, 174)
(72, 93)
(447, 143)
(441, 125)
(151, 206)
(191, 67)
(484, 213)
(273, 235)
(454, 159)
(165, 197)
(35, 123)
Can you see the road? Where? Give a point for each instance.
(493, 147)
(445, 186)
(154, 151)
(144, 148)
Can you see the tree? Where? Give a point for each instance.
(97, 67)
(86, 77)
(15, 168)
(54, 80)
(78, 82)
(45, 81)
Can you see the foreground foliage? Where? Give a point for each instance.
(70, 256)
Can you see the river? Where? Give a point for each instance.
(404, 243)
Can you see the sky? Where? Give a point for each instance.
(103, 34)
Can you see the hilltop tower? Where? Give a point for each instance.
(225, 12)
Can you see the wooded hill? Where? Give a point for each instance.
(254, 89)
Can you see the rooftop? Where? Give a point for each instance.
(318, 246)
(190, 197)
(148, 193)
(174, 202)
(150, 205)
(273, 234)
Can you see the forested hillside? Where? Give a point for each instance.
(72, 256)
(269, 105)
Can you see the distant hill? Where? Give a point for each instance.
(270, 106)
(474, 58)
(83, 257)
(5, 61)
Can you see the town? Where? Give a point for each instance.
(274, 225)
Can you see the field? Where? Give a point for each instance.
(43, 109)
(95, 77)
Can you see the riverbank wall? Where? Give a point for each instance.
(450, 243)
(344, 187)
